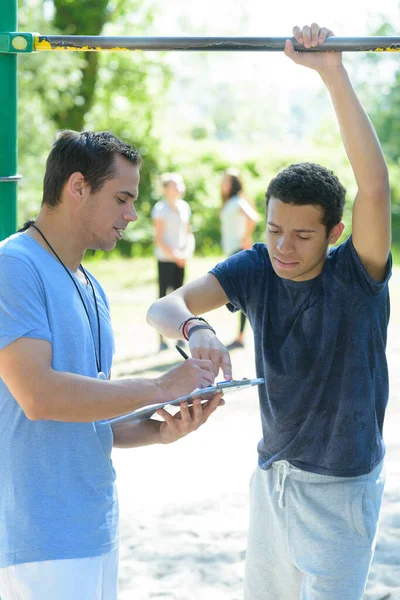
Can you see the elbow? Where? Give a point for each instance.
(154, 314)
(387, 188)
(151, 314)
(378, 188)
(384, 183)
(381, 184)
(32, 413)
(34, 409)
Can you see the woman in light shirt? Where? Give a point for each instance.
(173, 240)
(238, 219)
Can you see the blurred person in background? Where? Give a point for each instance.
(173, 238)
(238, 220)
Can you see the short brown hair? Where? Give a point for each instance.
(89, 153)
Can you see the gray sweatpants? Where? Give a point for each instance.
(311, 537)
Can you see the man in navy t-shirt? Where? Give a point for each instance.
(320, 321)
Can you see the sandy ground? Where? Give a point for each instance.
(184, 507)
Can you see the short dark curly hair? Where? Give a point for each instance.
(308, 183)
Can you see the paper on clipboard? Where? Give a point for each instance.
(146, 412)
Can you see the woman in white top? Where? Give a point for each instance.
(174, 242)
(238, 219)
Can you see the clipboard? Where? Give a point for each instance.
(146, 412)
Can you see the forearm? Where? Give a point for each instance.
(196, 298)
(45, 394)
(360, 140)
(166, 250)
(134, 435)
(74, 398)
(167, 314)
(188, 250)
(250, 226)
(246, 239)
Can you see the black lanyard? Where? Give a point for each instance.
(88, 281)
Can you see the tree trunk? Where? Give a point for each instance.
(81, 18)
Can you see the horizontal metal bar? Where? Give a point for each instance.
(11, 178)
(97, 43)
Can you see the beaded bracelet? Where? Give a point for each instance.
(197, 327)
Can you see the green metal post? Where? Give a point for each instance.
(8, 125)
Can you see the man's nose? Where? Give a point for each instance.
(285, 244)
(130, 214)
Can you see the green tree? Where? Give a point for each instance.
(80, 18)
(67, 90)
(383, 101)
(383, 97)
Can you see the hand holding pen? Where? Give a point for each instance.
(185, 356)
(212, 404)
(204, 345)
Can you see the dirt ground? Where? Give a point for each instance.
(184, 507)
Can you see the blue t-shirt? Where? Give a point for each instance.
(320, 345)
(57, 490)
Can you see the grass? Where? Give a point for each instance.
(124, 273)
(131, 285)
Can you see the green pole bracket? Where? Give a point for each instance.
(8, 116)
(16, 43)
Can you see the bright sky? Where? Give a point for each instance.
(268, 18)
(268, 77)
(274, 18)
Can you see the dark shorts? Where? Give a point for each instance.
(169, 276)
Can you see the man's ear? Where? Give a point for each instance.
(77, 186)
(335, 233)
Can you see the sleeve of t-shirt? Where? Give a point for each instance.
(240, 276)
(348, 267)
(22, 302)
(157, 211)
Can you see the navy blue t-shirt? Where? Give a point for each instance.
(320, 345)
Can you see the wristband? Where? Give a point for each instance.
(197, 327)
(185, 324)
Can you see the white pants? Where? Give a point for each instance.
(94, 578)
(311, 536)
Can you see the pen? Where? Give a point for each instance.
(182, 352)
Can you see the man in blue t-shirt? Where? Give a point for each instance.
(320, 320)
(58, 502)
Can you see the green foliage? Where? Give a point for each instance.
(124, 93)
(383, 102)
(117, 92)
(386, 119)
(35, 130)
(81, 18)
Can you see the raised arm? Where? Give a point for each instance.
(196, 298)
(372, 211)
(246, 242)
